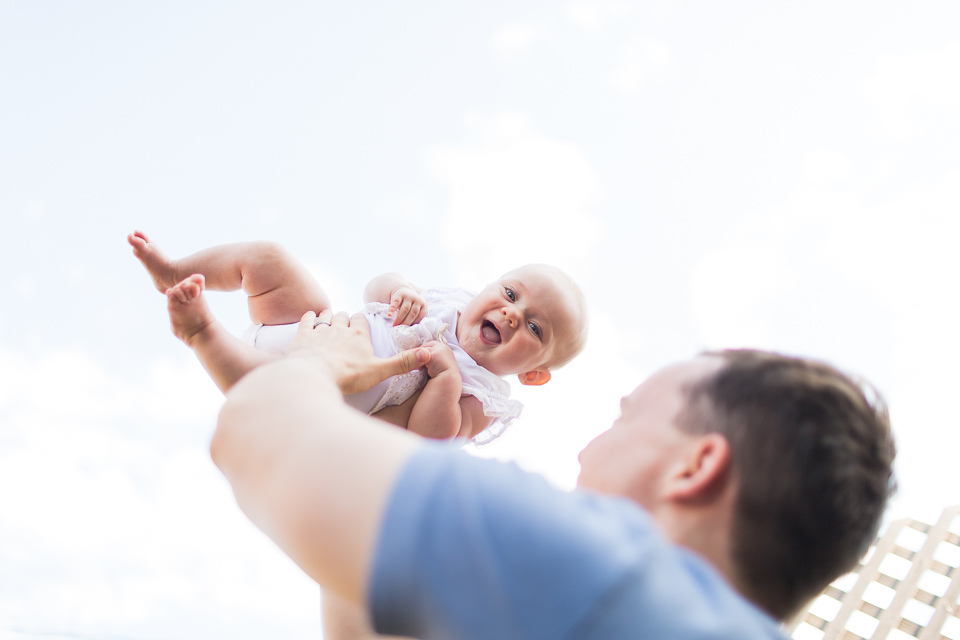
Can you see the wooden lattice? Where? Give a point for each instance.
(913, 611)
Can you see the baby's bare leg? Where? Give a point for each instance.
(162, 269)
(225, 357)
(279, 287)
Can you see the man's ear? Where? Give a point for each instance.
(705, 470)
(535, 378)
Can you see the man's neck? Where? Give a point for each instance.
(705, 530)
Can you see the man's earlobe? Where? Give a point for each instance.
(705, 471)
(535, 378)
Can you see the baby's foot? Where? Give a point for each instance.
(189, 314)
(162, 269)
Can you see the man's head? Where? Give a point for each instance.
(788, 458)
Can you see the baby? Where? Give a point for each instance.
(529, 322)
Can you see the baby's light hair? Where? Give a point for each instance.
(568, 349)
(578, 341)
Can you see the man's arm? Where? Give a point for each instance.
(309, 471)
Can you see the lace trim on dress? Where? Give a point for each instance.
(407, 337)
(502, 408)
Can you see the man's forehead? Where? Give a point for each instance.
(673, 379)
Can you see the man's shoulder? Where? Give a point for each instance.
(561, 564)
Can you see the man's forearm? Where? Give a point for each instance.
(244, 432)
(310, 472)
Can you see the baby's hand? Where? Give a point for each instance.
(406, 306)
(441, 358)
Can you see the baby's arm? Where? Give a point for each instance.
(472, 418)
(436, 413)
(406, 304)
(440, 411)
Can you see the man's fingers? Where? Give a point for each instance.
(406, 361)
(307, 321)
(323, 317)
(359, 321)
(340, 319)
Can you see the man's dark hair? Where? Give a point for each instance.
(813, 453)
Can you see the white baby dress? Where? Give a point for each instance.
(443, 308)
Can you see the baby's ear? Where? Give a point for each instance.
(535, 378)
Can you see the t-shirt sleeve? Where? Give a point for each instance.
(478, 549)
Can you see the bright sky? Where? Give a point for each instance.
(776, 175)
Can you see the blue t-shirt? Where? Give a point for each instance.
(473, 548)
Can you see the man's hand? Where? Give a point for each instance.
(343, 346)
(406, 306)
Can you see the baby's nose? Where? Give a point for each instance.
(511, 315)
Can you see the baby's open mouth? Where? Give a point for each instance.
(490, 332)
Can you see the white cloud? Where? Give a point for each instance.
(905, 246)
(825, 166)
(593, 16)
(898, 252)
(270, 215)
(904, 88)
(113, 517)
(25, 286)
(731, 284)
(640, 60)
(64, 386)
(407, 207)
(341, 297)
(906, 253)
(513, 39)
(517, 196)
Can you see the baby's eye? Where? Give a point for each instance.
(511, 294)
(536, 329)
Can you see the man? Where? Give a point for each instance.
(733, 488)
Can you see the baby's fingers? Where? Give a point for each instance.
(406, 314)
(413, 316)
(421, 314)
(402, 312)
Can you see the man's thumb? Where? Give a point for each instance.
(411, 359)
